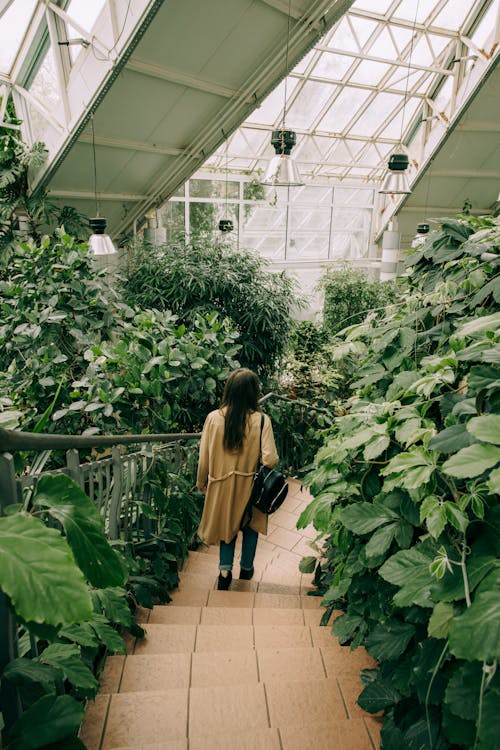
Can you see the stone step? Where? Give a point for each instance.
(180, 615)
(268, 595)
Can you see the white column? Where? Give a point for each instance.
(390, 252)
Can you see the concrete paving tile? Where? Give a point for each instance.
(226, 616)
(313, 616)
(93, 723)
(109, 681)
(156, 672)
(343, 661)
(224, 638)
(237, 585)
(279, 588)
(276, 600)
(351, 687)
(277, 616)
(332, 735)
(323, 636)
(290, 664)
(285, 520)
(224, 668)
(169, 745)
(282, 636)
(166, 639)
(257, 739)
(139, 719)
(310, 699)
(303, 547)
(235, 708)
(189, 598)
(178, 615)
(197, 581)
(284, 538)
(231, 599)
(310, 602)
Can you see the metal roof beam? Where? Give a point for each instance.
(182, 79)
(89, 195)
(128, 145)
(395, 63)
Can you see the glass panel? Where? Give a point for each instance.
(308, 246)
(343, 37)
(348, 246)
(254, 190)
(343, 109)
(271, 108)
(304, 63)
(310, 101)
(375, 6)
(214, 188)
(272, 248)
(309, 218)
(444, 95)
(45, 88)
(375, 114)
(13, 26)
(180, 192)
(352, 219)
(485, 26)
(407, 8)
(383, 47)
(172, 218)
(363, 28)
(369, 72)
(85, 14)
(453, 14)
(333, 66)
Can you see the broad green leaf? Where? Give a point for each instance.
(409, 569)
(113, 602)
(458, 731)
(50, 719)
(433, 513)
(494, 481)
(365, 517)
(451, 587)
(455, 516)
(486, 428)
(67, 658)
(83, 527)
(308, 564)
(462, 692)
(345, 626)
(439, 623)
(39, 574)
(375, 447)
(107, 635)
(23, 671)
(388, 640)
(451, 439)
(377, 696)
(475, 634)
(489, 736)
(414, 468)
(83, 634)
(484, 323)
(472, 461)
(404, 534)
(381, 540)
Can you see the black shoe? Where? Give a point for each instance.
(224, 582)
(245, 575)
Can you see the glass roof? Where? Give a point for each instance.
(383, 68)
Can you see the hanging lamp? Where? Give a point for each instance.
(396, 181)
(282, 169)
(226, 225)
(99, 242)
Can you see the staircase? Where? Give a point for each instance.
(245, 669)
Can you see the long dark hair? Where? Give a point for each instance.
(241, 397)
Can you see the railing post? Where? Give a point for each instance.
(73, 466)
(9, 697)
(116, 495)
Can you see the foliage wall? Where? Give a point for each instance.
(74, 358)
(406, 496)
(208, 277)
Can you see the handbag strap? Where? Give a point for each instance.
(260, 442)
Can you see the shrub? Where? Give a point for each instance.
(406, 494)
(193, 279)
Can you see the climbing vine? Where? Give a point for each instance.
(406, 498)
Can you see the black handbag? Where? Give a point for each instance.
(269, 488)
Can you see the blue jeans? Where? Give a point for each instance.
(226, 551)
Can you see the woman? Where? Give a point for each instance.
(229, 453)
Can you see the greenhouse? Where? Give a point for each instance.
(249, 282)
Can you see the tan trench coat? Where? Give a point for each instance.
(228, 477)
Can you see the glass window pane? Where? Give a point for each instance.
(485, 26)
(375, 6)
(453, 14)
(214, 188)
(311, 99)
(45, 88)
(333, 66)
(202, 217)
(369, 72)
(13, 26)
(375, 114)
(407, 8)
(85, 14)
(343, 109)
(172, 218)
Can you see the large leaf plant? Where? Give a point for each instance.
(406, 497)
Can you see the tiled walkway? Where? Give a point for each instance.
(246, 669)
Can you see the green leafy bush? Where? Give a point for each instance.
(406, 494)
(205, 277)
(349, 296)
(73, 357)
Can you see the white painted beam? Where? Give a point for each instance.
(128, 145)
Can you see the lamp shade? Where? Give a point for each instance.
(99, 242)
(282, 169)
(396, 180)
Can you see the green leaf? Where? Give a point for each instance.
(308, 564)
(451, 439)
(377, 696)
(388, 640)
(50, 719)
(439, 623)
(345, 626)
(67, 502)
(409, 569)
(375, 447)
(494, 481)
(414, 468)
(83, 634)
(381, 540)
(38, 573)
(113, 602)
(462, 692)
(451, 586)
(486, 428)
(479, 324)
(67, 658)
(456, 517)
(432, 511)
(24, 671)
(489, 736)
(107, 635)
(365, 517)
(476, 633)
(472, 461)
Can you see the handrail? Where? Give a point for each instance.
(321, 409)
(15, 440)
